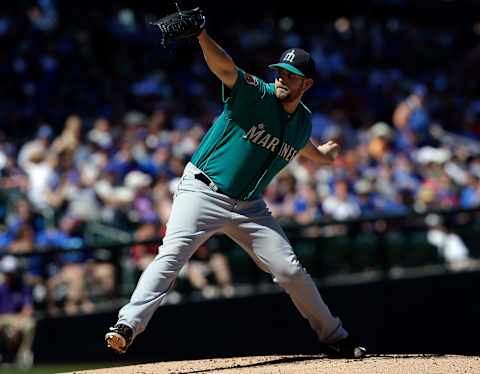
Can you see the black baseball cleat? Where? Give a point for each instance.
(346, 348)
(119, 337)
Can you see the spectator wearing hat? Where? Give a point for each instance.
(381, 135)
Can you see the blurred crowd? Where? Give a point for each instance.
(98, 120)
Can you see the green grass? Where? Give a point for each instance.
(60, 368)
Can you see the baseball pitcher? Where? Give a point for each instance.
(263, 126)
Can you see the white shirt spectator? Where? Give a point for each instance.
(450, 246)
(339, 209)
(341, 206)
(40, 169)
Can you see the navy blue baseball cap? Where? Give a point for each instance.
(296, 61)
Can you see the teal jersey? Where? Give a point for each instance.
(252, 140)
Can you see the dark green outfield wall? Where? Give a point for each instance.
(438, 314)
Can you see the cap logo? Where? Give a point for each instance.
(289, 56)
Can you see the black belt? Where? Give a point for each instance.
(203, 178)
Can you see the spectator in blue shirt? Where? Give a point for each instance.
(470, 195)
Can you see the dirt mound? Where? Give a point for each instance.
(317, 364)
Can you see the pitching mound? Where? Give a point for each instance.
(307, 364)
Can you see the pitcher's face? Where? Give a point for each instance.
(289, 86)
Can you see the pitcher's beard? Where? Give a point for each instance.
(286, 98)
(282, 94)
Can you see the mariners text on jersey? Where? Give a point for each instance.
(258, 135)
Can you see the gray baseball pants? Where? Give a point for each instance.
(198, 213)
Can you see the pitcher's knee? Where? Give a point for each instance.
(289, 273)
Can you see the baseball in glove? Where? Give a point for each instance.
(183, 24)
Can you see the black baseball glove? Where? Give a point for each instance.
(183, 24)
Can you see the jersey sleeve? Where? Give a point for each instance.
(246, 90)
(247, 97)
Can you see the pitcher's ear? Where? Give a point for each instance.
(308, 84)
